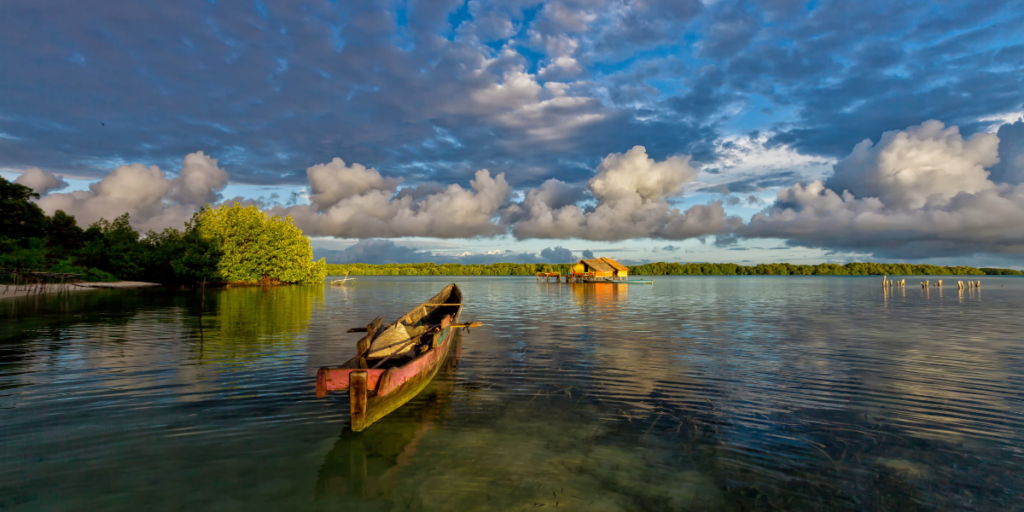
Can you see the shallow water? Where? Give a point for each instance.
(696, 393)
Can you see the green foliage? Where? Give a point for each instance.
(116, 248)
(67, 266)
(198, 257)
(234, 244)
(662, 269)
(97, 275)
(259, 248)
(28, 253)
(20, 218)
(170, 256)
(1001, 272)
(63, 234)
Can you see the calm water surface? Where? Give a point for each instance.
(696, 393)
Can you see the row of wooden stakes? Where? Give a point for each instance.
(889, 283)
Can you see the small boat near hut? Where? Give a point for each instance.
(394, 362)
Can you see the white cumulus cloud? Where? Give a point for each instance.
(42, 182)
(919, 193)
(907, 169)
(355, 202)
(334, 181)
(631, 191)
(152, 200)
(560, 69)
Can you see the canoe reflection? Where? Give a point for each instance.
(365, 464)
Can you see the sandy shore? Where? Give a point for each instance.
(9, 292)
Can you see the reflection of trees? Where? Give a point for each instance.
(364, 464)
(245, 318)
(26, 320)
(33, 314)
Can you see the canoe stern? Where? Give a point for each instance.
(337, 379)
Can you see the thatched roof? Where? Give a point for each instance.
(597, 265)
(616, 265)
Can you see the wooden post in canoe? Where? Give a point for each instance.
(357, 398)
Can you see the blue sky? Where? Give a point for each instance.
(732, 103)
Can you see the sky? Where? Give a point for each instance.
(524, 131)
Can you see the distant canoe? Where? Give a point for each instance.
(344, 279)
(395, 362)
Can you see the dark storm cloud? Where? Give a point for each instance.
(731, 27)
(706, 97)
(726, 240)
(556, 255)
(374, 251)
(378, 251)
(754, 184)
(272, 92)
(848, 86)
(435, 90)
(1010, 168)
(643, 23)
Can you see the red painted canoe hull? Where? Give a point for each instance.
(337, 379)
(388, 389)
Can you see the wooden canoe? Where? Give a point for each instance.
(395, 362)
(368, 465)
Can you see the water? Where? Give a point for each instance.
(696, 393)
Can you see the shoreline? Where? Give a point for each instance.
(8, 291)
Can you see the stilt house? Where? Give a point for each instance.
(600, 268)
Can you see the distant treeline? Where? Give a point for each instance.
(824, 269)
(668, 269)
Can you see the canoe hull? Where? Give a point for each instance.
(394, 390)
(368, 464)
(375, 392)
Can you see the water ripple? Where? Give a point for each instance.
(696, 393)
